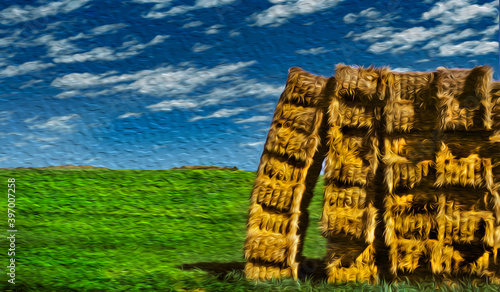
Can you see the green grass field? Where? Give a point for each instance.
(146, 230)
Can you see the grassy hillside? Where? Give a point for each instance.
(163, 230)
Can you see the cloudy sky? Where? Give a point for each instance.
(164, 83)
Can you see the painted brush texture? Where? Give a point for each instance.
(412, 166)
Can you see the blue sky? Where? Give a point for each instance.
(154, 84)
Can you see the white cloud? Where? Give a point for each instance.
(92, 159)
(222, 113)
(460, 11)
(441, 39)
(109, 54)
(100, 53)
(31, 120)
(234, 33)
(254, 119)
(279, 13)
(181, 9)
(313, 51)
(4, 158)
(179, 81)
(107, 28)
(224, 94)
(159, 4)
(9, 40)
(68, 94)
(243, 87)
(402, 69)
(128, 115)
(198, 47)
(63, 49)
(14, 70)
(99, 30)
(469, 48)
(30, 83)
(160, 146)
(58, 123)
(373, 34)
(5, 115)
(491, 32)
(17, 14)
(449, 38)
(214, 29)
(252, 144)
(192, 24)
(406, 39)
(153, 1)
(168, 82)
(84, 80)
(41, 139)
(55, 47)
(370, 13)
(168, 105)
(3, 134)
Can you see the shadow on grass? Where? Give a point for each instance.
(220, 270)
(314, 269)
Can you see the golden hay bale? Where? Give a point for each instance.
(419, 150)
(283, 184)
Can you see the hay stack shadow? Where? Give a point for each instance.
(219, 270)
(314, 269)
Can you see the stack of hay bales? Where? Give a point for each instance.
(283, 187)
(438, 172)
(349, 217)
(412, 168)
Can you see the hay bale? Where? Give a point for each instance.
(283, 185)
(460, 96)
(408, 104)
(352, 265)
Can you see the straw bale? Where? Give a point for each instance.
(293, 132)
(479, 267)
(406, 254)
(303, 88)
(416, 146)
(259, 271)
(467, 171)
(280, 195)
(359, 83)
(413, 86)
(351, 159)
(281, 169)
(400, 115)
(350, 114)
(403, 165)
(464, 82)
(283, 184)
(362, 269)
(269, 247)
(279, 223)
(351, 197)
(442, 257)
(460, 96)
(408, 102)
(343, 219)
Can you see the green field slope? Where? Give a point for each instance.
(144, 230)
